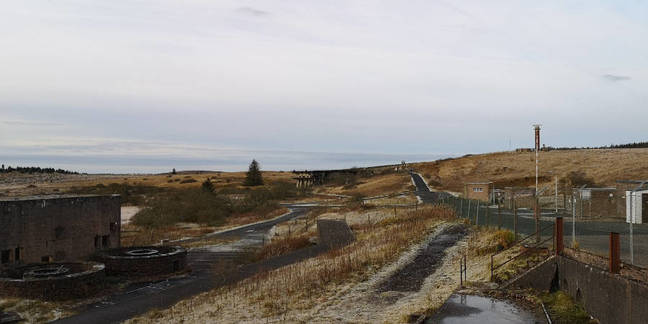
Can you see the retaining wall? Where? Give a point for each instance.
(611, 298)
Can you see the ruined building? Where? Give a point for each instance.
(57, 228)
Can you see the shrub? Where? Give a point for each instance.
(190, 180)
(504, 239)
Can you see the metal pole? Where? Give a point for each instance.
(461, 206)
(477, 215)
(515, 220)
(499, 216)
(468, 209)
(573, 220)
(487, 215)
(632, 196)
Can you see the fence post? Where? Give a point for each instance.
(615, 255)
(491, 268)
(461, 207)
(559, 236)
(487, 215)
(477, 214)
(499, 216)
(468, 210)
(515, 220)
(536, 213)
(461, 272)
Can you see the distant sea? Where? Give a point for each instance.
(226, 160)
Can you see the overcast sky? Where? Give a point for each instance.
(158, 80)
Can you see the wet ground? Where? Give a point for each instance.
(466, 309)
(428, 259)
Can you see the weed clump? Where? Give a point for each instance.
(564, 309)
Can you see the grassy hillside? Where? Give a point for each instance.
(601, 167)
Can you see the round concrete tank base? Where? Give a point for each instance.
(53, 281)
(144, 260)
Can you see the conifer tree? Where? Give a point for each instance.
(253, 176)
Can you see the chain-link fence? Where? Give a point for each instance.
(589, 217)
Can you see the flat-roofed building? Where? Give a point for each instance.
(479, 190)
(57, 228)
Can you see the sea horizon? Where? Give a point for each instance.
(224, 161)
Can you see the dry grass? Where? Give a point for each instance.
(25, 184)
(34, 311)
(518, 169)
(283, 245)
(373, 186)
(290, 292)
(133, 235)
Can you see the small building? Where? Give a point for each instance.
(57, 228)
(479, 191)
(637, 206)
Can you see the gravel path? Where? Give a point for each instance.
(429, 258)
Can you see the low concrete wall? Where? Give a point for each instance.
(88, 281)
(608, 297)
(334, 233)
(168, 261)
(539, 277)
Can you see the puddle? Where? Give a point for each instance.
(482, 310)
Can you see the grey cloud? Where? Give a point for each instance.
(615, 78)
(252, 11)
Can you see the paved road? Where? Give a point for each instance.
(138, 299)
(592, 236)
(422, 190)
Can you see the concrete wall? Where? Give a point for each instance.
(608, 297)
(86, 280)
(58, 228)
(146, 266)
(334, 233)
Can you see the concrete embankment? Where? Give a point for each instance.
(610, 298)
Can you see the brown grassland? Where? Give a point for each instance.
(603, 166)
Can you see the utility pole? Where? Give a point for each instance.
(536, 206)
(536, 127)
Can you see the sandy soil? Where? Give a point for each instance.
(127, 212)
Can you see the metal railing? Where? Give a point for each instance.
(493, 268)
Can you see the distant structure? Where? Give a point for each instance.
(57, 228)
(479, 190)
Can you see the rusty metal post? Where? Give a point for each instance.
(560, 245)
(615, 253)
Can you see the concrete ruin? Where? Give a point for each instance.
(144, 261)
(53, 281)
(57, 228)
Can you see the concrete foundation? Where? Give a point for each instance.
(144, 261)
(52, 281)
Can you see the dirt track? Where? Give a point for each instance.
(429, 258)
